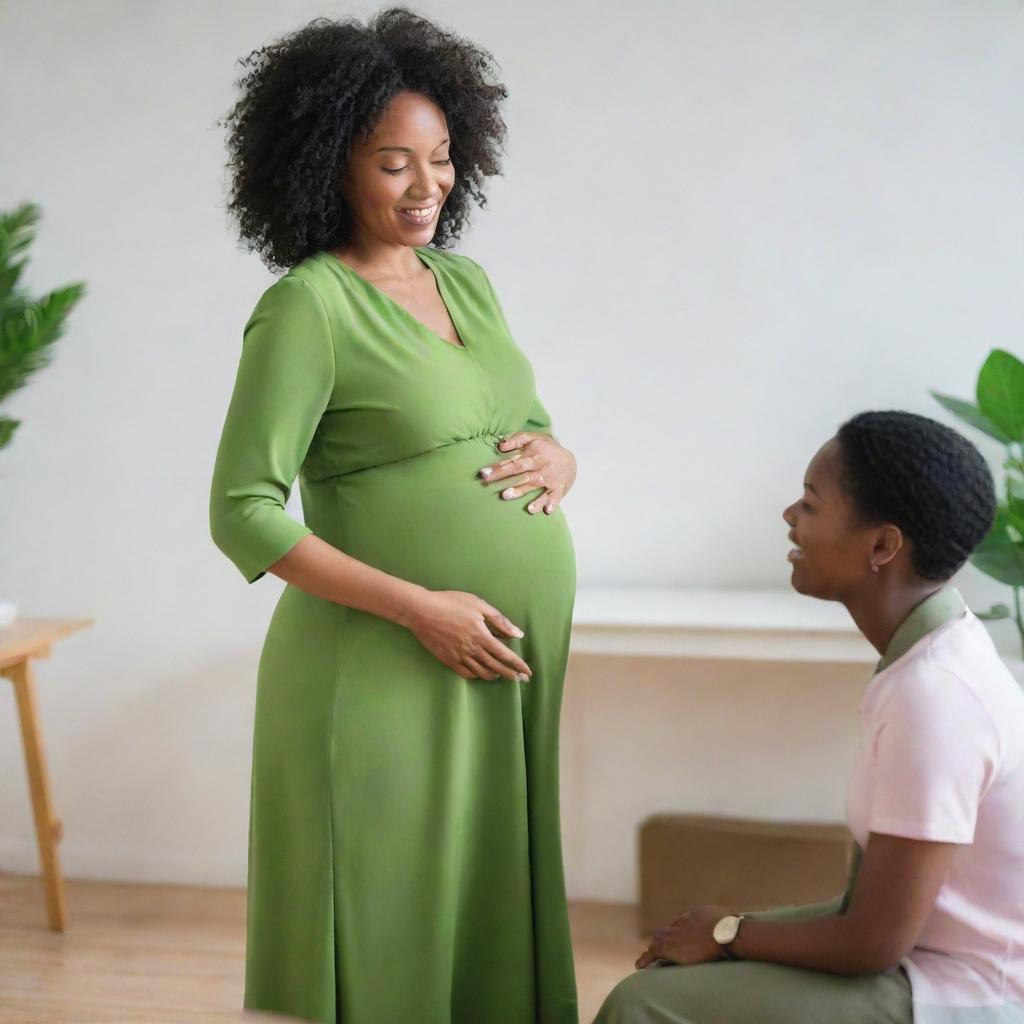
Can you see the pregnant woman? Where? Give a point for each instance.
(404, 854)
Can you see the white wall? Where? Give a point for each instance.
(724, 227)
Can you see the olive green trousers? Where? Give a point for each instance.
(750, 992)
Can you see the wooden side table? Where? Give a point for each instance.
(20, 642)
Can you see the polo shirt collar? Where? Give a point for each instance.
(943, 606)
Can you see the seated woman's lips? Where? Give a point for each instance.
(795, 555)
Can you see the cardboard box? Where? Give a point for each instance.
(691, 860)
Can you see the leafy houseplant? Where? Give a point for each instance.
(28, 327)
(999, 412)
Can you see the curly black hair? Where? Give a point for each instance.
(925, 478)
(304, 98)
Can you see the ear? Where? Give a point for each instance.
(887, 545)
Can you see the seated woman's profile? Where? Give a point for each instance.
(931, 927)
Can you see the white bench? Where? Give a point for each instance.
(746, 625)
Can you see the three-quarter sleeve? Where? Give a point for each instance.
(283, 384)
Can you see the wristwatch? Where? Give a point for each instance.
(725, 932)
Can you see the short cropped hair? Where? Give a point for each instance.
(925, 478)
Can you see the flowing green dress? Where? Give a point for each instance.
(405, 861)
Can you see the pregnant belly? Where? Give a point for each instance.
(431, 520)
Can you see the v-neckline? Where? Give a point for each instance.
(405, 312)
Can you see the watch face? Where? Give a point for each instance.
(726, 930)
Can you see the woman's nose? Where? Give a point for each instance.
(423, 185)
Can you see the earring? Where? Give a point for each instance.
(874, 568)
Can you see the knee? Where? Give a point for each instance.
(625, 1003)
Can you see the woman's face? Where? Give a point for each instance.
(398, 179)
(833, 551)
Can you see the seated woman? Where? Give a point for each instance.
(931, 928)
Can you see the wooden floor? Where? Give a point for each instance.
(161, 954)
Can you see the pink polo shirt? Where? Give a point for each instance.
(942, 758)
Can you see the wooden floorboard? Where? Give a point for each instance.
(164, 954)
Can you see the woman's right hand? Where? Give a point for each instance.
(452, 625)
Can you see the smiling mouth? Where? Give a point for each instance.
(419, 214)
(796, 552)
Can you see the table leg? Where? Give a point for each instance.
(48, 828)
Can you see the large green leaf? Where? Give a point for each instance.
(999, 555)
(1015, 517)
(995, 613)
(970, 413)
(1001, 393)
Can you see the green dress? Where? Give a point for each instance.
(405, 861)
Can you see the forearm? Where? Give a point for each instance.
(798, 912)
(322, 570)
(835, 943)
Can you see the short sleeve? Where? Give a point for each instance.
(283, 383)
(936, 752)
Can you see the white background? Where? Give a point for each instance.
(723, 228)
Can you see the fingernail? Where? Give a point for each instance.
(486, 471)
(521, 677)
(508, 493)
(519, 633)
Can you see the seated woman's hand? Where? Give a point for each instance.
(453, 626)
(688, 940)
(539, 461)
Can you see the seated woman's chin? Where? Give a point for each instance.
(799, 581)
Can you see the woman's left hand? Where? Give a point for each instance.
(540, 462)
(688, 940)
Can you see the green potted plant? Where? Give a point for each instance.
(28, 326)
(998, 411)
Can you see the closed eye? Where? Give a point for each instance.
(398, 170)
